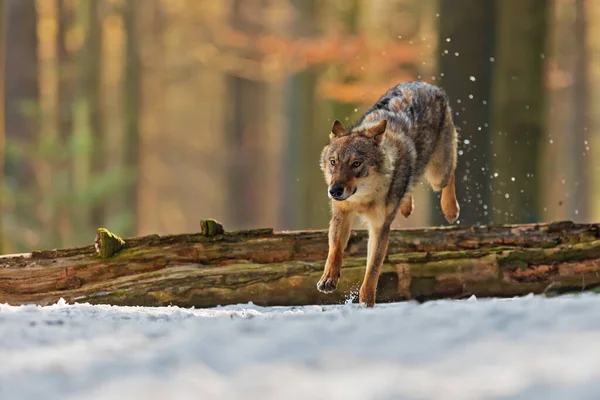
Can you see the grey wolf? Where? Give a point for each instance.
(371, 169)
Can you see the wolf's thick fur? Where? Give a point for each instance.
(371, 169)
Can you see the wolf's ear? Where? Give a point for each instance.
(337, 130)
(376, 130)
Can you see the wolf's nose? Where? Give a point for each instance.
(336, 191)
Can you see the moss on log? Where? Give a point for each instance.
(282, 268)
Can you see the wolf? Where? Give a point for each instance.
(371, 169)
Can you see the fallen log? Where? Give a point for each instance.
(282, 268)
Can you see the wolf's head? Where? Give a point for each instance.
(352, 159)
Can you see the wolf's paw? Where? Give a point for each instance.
(451, 213)
(406, 206)
(327, 284)
(367, 296)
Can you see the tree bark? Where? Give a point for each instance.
(281, 268)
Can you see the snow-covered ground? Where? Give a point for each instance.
(526, 348)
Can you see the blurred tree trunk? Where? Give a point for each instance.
(94, 43)
(593, 145)
(63, 59)
(578, 157)
(567, 165)
(304, 200)
(350, 20)
(61, 228)
(153, 113)
(469, 31)
(2, 138)
(347, 15)
(87, 131)
(131, 108)
(247, 127)
(21, 90)
(518, 110)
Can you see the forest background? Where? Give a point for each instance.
(144, 116)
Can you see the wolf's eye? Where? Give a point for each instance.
(332, 162)
(356, 164)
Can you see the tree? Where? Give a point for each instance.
(60, 224)
(131, 96)
(2, 138)
(247, 123)
(21, 106)
(592, 9)
(466, 49)
(349, 17)
(581, 119)
(518, 103)
(63, 64)
(304, 200)
(87, 130)
(568, 164)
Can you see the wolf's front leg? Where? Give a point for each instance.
(379, 239)
(339, 232)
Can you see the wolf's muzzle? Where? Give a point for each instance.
(336, 191)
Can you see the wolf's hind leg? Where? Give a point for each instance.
(440, 170)
(449, 204)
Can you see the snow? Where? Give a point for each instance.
(522, 348)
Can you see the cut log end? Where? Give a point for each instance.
(107, 243)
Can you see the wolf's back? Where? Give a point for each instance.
(410, 105)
